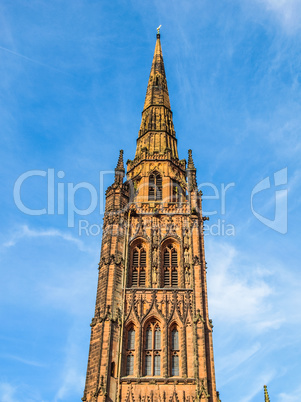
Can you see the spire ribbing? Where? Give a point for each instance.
(157, 134)
(157, 91)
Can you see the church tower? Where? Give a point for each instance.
(151, 336)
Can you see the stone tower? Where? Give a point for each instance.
(151, 336)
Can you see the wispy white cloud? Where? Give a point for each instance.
(24, 361)
(19, 393)
(72, 376)
(233, 360)
(242, 290)
(254, 299)
(255, 385)
(293, 396)
(287, 11)
(238, 293)
(25, 232)
(8, 392)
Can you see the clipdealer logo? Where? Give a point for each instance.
(61, 200)
(279, 199)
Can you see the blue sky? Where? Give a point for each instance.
(73, 81)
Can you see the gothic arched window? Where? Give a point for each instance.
(138, 266)
(175, 370)
(152, 350)
(155, 187)
(170, 266)
(130, 352)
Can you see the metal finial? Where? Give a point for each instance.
(158, 29)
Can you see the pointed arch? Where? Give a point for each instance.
(170, 258)
(138, 263)
(130, 348)
(174, 337)
(152, 311)
(152, 347)
(155, 186)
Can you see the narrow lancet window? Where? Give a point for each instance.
(155, 187)
(152, 349)
(170, 266)
(138, 266)
(130, 351)
(175, 371)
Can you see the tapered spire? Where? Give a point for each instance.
(191, 173)
(266, 395)
(119, 170)
(190, 160)
(157, 134)
(157, 92)
(120, 165)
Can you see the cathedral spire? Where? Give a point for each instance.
(157, 134)
(157, 92)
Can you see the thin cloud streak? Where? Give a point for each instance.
(24, 361)
(26, 232)
(32, 60)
